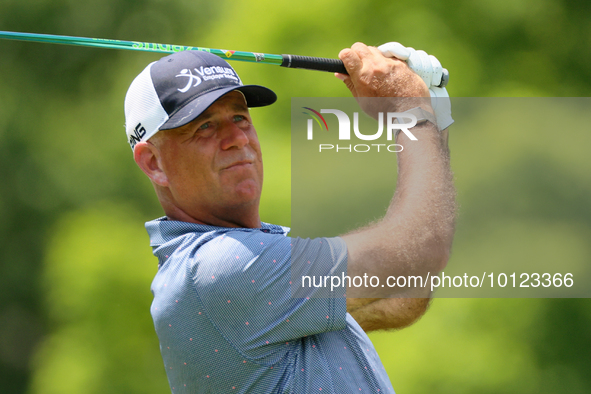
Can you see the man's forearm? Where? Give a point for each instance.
(416, 233)
(422, 211)
(420, 222)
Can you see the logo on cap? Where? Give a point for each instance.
(187, 73)
(206, 74)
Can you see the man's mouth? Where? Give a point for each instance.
(239, 164)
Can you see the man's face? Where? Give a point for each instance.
(214, 164)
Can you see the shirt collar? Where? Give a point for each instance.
(163, 230)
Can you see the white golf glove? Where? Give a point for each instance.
(430, 70)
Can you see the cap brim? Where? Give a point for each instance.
(255, 95)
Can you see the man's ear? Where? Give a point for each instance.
(147, 157)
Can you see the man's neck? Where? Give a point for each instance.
(231, 219)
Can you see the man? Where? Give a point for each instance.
(223, 306)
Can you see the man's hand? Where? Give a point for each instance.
(371, 74)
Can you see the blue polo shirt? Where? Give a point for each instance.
(228, 321)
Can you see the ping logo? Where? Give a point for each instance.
(138, 133)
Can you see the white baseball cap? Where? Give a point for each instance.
(176, 89)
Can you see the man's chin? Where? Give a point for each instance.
(244, 192)
(246, 196)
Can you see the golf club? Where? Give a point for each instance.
(290, 61)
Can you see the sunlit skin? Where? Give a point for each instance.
(209, 171)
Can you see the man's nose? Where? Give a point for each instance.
(234, 136)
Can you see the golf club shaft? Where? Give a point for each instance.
(291, 61)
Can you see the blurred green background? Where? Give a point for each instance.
(75, 265)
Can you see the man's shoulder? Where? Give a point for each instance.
(239, 247)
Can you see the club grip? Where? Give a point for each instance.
(314, 63)
(332, 65)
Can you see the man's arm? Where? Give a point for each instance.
(415, 236)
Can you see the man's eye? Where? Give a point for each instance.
(204, 126)
(239, 118)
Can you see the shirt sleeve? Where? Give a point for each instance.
(250, 285)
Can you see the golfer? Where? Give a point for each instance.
(224, 307)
